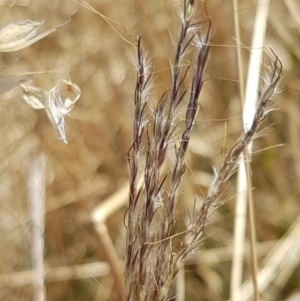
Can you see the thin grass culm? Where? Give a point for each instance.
(153, 257)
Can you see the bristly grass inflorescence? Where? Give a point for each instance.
(151, 261)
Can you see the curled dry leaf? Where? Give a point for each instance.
(35, 97)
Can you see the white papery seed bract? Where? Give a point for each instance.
(58, 102)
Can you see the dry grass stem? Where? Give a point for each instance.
(111, 254)
(19, 279)
(180, 285)
(99, 216)
(241, 199)
(245, 183)
(36, 196)
(110, 205)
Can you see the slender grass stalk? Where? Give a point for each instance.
(110, 252)
(240, 204)
(252, 229)
(36, 194)
(180, 285)
(244, 179)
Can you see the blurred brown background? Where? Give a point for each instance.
(93, 166)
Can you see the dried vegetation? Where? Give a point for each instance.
(52, 57)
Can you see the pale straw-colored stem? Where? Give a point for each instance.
(36, 196)
(19, 279)
(240, 208)
(180, 285)
(251, 94)
(111, 254)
